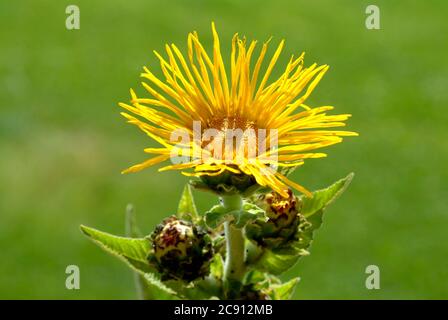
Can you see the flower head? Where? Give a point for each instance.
(211, 120)
(181, 250)
(281, 222)
(280, 210)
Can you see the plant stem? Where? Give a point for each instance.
(234, 266)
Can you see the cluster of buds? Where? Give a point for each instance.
(281, 221)
(181, 250)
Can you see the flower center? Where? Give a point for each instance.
(232, 123)
(230, 137)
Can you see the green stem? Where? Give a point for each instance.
(234, 266)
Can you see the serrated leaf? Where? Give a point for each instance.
(145, 289)
(306, 236)
(285, 290)
(187, 208)
(322, 198)
(133, 251)
(159, 291)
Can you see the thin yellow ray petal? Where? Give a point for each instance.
(270, 67)
(294, 157)
(166, 103)
(217, 57)
(145, 164)
(180, 166)
(257, 67)
(164, 121)
(158, 150)
(306, 146)
(154, 133)
(296, 186)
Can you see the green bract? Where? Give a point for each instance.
(227, 183)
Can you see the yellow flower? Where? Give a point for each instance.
(198, 94)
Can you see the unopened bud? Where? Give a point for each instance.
(281, 221)
(181, 250)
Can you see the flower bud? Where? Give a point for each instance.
(181, 250)
(281, 211)
(229, 183)
(281, 221)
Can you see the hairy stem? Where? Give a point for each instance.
(234, 266)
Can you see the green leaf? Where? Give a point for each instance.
(215, 216)
(146, 290)
(217, 266)
(276, 261)
(197, 290)
(253, 209)
(242, 218)
(283, 291)
(322, 198)
(306, 236)
(218, 215)
(142, 286)
(256, 277)
(158, 290)
(187, 208)
(133, 251)
(279, 260)
(249, 213)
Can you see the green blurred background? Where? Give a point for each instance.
(63, 142)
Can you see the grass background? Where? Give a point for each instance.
(63, 143)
